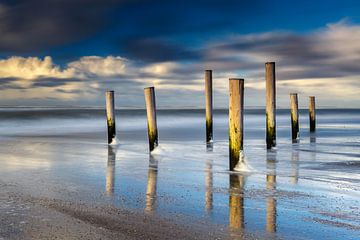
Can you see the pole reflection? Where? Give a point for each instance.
(209, 147)
(236, 204)
(295, 165)
(271, 188)
(313, 146)
(151, 185)
(110, 171)
(312, 137)
(209, 181)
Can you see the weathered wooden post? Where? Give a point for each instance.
(294, 110)
(208, 105)
(236, 120)
(312, 114)
(110, 116)
(151, 117)
(270, 105)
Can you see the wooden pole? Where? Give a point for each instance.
(151, 117)
(110, 116)
(270, 105)
(236, 120)
(312, 114)
(208, 105)
(294, 110)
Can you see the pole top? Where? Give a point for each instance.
(293, 94)
(109, 91)
(208, 70)
(149, 88)
(269, 63)
(312, 97)
(236, 79)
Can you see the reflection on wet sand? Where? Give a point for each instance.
(271, 187)
(209, 181)
(312, 137)
(313, 146)
(236, 204)
(295, 165)
(209, 147)
(151, 185)
(110, 171)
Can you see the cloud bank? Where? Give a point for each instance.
(324, 62)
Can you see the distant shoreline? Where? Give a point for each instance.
(159, 108)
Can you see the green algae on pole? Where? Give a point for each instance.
(312, 114)
(236, 120)
(151, 117)
(294, 110)
(110, 116)
(208, 105)
(270, 105)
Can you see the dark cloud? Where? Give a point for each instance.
(297, 56)
(72, 91)
(5, 81)
(13, 83)
(164, 18)
(33, 25)
(156, 50)
(52, 82)
(287, 46)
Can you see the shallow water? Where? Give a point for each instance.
(307, 190)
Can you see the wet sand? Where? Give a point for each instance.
(26, 217)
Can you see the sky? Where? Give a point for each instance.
(69, 52)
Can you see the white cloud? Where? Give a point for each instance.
(163, 68)
(341, 40)
(99, 66)
(31, 68)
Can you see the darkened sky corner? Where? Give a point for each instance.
(74, 50)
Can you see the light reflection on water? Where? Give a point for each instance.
(151, 185)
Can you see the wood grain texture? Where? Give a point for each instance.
(270, 105)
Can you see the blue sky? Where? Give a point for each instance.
(68, 52)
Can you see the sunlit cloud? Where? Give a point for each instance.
(31, 68)
(162, 68)
(99, 66)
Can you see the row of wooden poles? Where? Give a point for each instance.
(236, 114)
